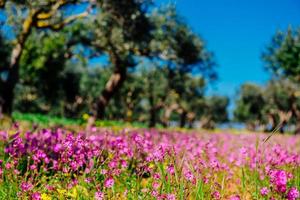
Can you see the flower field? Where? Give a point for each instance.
(147, 164)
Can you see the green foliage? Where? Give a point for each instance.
(49, 73)
(283, 55)
(273, 106)
(162, 65)
(49, 121)
(215, 111)
(44, 119)
(249, 105)
(122, 29)
(282, 58)
(175, 42)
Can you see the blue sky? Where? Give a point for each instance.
(237, 31)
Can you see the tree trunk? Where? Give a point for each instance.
(152, 121)
(114, 83)
(7, 86)
(153, 109)
(296, 113)
(297, 131)
(183, 116)
(191, 118)
(272, 121)
(167, 114)
(284, 117)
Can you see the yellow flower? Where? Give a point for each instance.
(129, 113)
(85, 116)
(73, 193)
(144, 182)
(82, 190)
(151, 165)
(61, 191)
(45, 196)
(110, 156)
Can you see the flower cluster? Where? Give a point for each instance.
(147, 164)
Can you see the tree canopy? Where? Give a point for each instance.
(128, 60)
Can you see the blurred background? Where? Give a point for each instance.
(157, 63)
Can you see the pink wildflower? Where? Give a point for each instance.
(281, 178)
(108, 183)
(264, 191)
(154, 193)
(156, 176)
(26, 186)
(99, 195)
(293, 194)
(155, 185)
(216, 195)
(171, 197)
(171, 169)
(235, 197)
(36, 196)
(189, 176)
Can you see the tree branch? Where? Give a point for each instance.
(59, 26)
(54, 8)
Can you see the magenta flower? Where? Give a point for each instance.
(206, 180)
(171, 197)
(36, 196)
(155, 185)
(113, 164)
(154, 193)
(108, 183)
(99, 195)
(281, 188)
(216, 195)
(171, 169)
(3, 135)
(8, 165)
(235, 197)
(198, 156)
(32, 167)
(123, 163)
(281, 178)
(264, 191)
(25, 187)
(293, 194)
(156, 176)
(189, 176)
(88, 180)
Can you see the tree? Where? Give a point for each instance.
(282, 56)
(155, 89)
(4, 54)
(49, 72)
(282, 103)
(32, 14)
(185, 55)
(175, 43)
(249, 105)
(214, 111)
(190, 92)
(122, 31)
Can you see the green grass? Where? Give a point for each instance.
(47, 120)
(44, 119)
